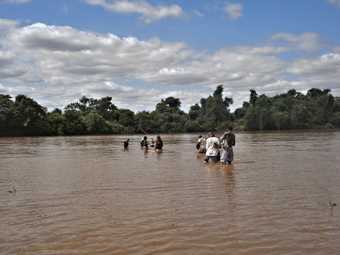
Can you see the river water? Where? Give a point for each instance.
(85, 195)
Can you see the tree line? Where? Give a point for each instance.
(23, 116)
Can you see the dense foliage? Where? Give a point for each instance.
(291, 110)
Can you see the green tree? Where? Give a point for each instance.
(74, 124)
(170, 104)
(7, 121)
(96, 124)
(194, 112)
(214, 110)
(253, 97)
(146, 122)
(126, 118)
(30, 116)
(56, 122)
(105, 108)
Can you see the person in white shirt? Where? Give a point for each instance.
(200, 145)
(213, 148)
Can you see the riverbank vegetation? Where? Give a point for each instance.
(292, 110)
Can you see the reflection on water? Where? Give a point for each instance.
(86, 195)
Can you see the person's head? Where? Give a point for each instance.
(211, 134)
(230, 128)
(145, 138)
(199, 136)
(128, 140)
(159, 138)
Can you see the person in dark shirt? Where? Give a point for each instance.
(158, 144)
(198, 144)
(228, 142)
(126, 144)
(144, 143)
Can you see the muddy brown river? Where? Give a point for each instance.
(85, 195)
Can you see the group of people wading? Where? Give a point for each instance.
(217, 149)
(158, 144)
(144, 143)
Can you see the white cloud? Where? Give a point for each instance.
(14, 1)
(148, 12)
(325, 65)
(65, 61)
(237, 65)
(320, 72)
(335, 2)
(5, 58)
(233, 10)
(58, 64)
(305, 41)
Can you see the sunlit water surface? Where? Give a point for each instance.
(85, 195)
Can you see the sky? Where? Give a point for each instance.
(140, 51)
